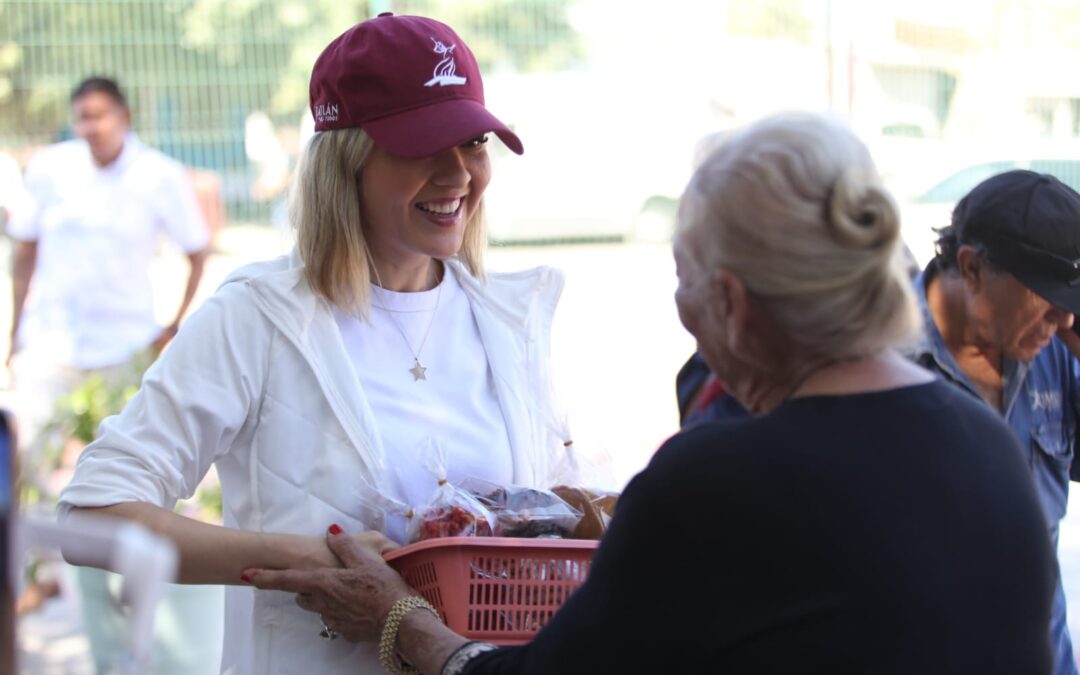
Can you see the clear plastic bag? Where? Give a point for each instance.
(377, 508)
(525, 512)
(451, 511)
(586, 486)
(576, 481)
(596, 508)
(369, 515)
(574, 468)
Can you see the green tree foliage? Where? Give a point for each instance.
(786, 19)
(518, 35)
(195, 68)
(75, 423)
(192, 68)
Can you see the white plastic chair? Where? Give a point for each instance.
(146, 561)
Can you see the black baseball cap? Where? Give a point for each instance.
(1029, 224)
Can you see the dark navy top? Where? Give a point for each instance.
(894, 532)
(1040, 403)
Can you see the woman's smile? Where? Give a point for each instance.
(442, 212)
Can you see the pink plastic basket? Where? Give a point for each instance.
(495, 589)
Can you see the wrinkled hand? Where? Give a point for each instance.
(353, 600)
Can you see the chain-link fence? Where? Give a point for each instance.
(612, 98)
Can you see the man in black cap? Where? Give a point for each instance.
(999, 301)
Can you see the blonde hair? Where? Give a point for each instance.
(794, 207)
(324, 207)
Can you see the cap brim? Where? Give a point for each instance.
(429, 130)
(1055, 291)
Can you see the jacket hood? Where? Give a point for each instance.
(281, 284)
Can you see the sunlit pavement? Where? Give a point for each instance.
(617, 345)
(51, 642)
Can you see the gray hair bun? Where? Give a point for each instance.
(860, 214)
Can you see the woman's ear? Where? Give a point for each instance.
(732, 304)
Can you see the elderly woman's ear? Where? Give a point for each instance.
(731, 303)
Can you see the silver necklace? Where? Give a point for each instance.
(419, 372)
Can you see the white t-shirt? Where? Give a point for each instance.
(455, 406)
(97, 228)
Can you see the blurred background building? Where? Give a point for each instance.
(612, 96)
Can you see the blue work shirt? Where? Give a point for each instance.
(1040, 403)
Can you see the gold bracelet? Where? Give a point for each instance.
(388, 639)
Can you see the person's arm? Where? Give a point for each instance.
(196, 263)
(211, 554)
(356, 601)
(638, 611)
(185, 223)
(24, 228)
(193, 404)
(426, 643)
(22, 272)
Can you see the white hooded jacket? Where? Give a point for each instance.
(259, 384)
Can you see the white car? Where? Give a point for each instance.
(932, 208)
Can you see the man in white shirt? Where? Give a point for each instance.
(85, 241)
(83, 244)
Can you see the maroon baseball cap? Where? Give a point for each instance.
(410, 82)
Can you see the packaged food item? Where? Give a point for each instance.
(525, 512)
(578, 481)
(451, 511)
(596, 509)
(606, 502)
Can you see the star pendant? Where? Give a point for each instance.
(418, 372)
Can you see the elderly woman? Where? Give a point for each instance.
(313, 382)
(868, 518)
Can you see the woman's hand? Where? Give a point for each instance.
(353, 600)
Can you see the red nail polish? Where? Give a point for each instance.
(245, 578)
(334, 529)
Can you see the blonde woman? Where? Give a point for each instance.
(868, 519)
(311, 382)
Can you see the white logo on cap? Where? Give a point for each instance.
(326, 112)
(444, 70)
